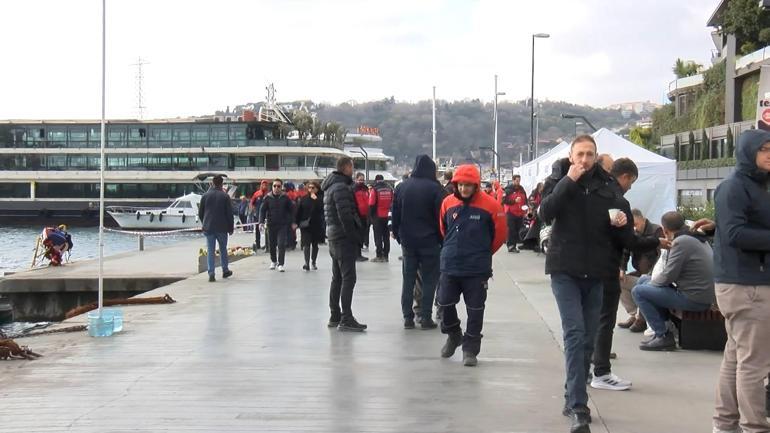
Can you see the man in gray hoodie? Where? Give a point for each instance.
(741, 247)
(686, 282)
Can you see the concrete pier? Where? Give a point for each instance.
(253, 354)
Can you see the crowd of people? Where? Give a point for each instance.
(449, 232)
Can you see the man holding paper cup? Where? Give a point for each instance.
(588, 216)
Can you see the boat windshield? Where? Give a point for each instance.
(182, 204)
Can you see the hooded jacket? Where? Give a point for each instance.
(416, 206)
(583, 242)
(742, 239)
(340, 210)
(473, 229)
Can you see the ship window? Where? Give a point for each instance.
(95, 136)
(291, 161)
(14, 190)
(57, 162)
(78, 136)
(259, 161)
(137, 135)
(160, 136)
(78, 161)
(137, 162)
(272, 162)
(219, 136)
(57, 136)
(116, 136)
(181, 136)
(244, 161)
(184, 204)
(116, 162)
(200, 135)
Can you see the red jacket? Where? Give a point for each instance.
(514, 200)
(380, 200)
(258, 195)
(361, 192)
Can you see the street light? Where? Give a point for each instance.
(575, 116)
(576, 125)
(496, 162)
(532, 95)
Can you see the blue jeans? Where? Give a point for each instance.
(580, 302)
(655, 301)
(427, 261)
(211, 240)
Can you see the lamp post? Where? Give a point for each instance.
(575, 116)
(532, 95)
(496, 162)
(576, 125)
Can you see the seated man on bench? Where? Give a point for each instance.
(686, 282)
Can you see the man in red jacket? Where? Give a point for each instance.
(514, 201)
(380, 200)
(255, 204)
(361, 193)
(473, 226)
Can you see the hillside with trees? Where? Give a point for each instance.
(462, 126)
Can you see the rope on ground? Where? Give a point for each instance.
(166, 299)
(76, 328)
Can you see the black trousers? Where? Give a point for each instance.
(276, 238)
(343, 254)
(607, 318)
(515, 224)
(474, 292)
(381, 236)
(309, 244)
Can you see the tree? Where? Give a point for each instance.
(642, 137)
(690, 147)
(730, 144)
(704, 145)
(746, 19)
(303, 123)
(678, 149)
(685, 68)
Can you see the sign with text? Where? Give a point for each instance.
(763, 99)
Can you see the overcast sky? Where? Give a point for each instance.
(205, 55)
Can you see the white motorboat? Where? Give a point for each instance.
(181, 214)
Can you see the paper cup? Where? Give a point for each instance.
(613, 213)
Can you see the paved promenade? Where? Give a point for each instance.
(253, 354)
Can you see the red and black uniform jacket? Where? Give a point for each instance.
(380, 200)
(473, 231)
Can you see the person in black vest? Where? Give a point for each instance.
(343, 231)
(216, 212)
(309, 219)
(278, 212)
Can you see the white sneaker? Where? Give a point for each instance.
(649, 332)
(272, 266)
(281, 269)
(610, 382)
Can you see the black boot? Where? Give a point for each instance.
(453, 341)
(469, 359)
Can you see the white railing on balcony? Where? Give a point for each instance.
(683, 83)
(756, 56)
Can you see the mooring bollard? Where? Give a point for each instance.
(141, 242)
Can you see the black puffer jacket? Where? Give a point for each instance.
(277, 210)
(340, 209)
(742, 241)
(416, 207)
(583, 243)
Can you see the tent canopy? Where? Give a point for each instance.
(654, 192)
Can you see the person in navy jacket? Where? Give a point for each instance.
(474, 228)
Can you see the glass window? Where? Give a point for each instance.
(244, 161)
(94, 162)
(137, 136)
(136, 162)
(291, 161)
(57, 162)
(78, 162)
(95, 136)
(218, 161)
(237, 135)
(181, 136)
(218, 136)
(116, 136)
(160, 136)
(14, 190)
(200, 135)
(116, 162)
(57, 136)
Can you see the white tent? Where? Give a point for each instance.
(654, 193)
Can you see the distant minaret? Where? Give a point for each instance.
(139, 96)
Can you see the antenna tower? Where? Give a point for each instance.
(140, 107)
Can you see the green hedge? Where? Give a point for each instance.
(694, 213)
(708, 163)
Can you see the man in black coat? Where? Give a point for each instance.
(583, 208)
(415, 216)
(216, 213)
(278, 211)
(343, 228)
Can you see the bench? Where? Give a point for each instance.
(700, 330)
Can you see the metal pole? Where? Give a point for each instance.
(532, 104)
(537, 133)
(495, 165)
(434, 123)
(101, 156)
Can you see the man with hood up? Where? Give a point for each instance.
(474, 228)
(343, 228)
(415, 216)
(742, 276)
